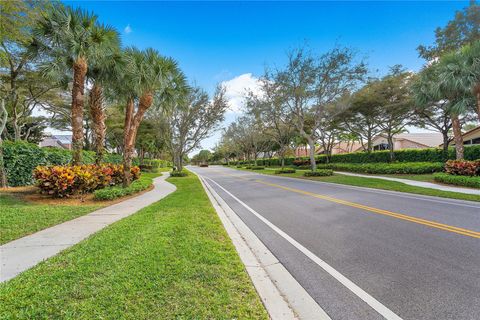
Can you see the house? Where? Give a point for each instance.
(470, 137)
(407, 141)
(63, 141)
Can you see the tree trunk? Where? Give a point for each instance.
(3, 123)
(457, 134)
(79, 73)
(97, 113)
(390, 147)
(132, 122)
(311, 144)
(445, 145)
(477, 94)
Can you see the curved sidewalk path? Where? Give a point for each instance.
(416, 183)
(22, 254)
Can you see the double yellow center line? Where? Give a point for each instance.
(433, 224)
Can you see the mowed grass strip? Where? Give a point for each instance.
(373, 183)
(19, 217)
(171, 260)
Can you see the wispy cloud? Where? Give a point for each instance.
(128, 29)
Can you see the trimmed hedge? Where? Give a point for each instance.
(404, 155)
(387, 168)
(318, 173)
(178, 174)
(285, 171)
(111, 193)
(464, 181)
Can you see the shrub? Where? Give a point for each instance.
(458, 180)
(114, 192)
(301, 162)
(387, 168)
(239, 166)
(285, 170)
(318, 173)
(63, 181)
(463, 167)
(20, 159)
(257, 168)
(178, 174)
(203, 165)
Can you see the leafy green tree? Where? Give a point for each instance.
(462, 30)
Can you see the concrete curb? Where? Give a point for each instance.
(24, 253)
(282, 295)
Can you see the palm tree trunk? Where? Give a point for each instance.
(79, 73)
(457, 134)
(132, 122)
(477, 94)
(97, 113)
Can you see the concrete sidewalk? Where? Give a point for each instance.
(416, 183)
(24, 253)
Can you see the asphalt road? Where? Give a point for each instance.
(364, 253)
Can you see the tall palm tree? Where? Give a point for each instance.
(147, 74)
(72, 37)
(103, 71)
(453, 86)
(471, 70)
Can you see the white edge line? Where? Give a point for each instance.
(303, 305)
(359, 292)
(273, 301)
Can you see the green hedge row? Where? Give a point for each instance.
(387, 168)
(115, 192)
(22, 157)
(405, 155)
(318, 173)
(465, 181)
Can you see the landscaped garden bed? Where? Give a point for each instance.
(387, 168)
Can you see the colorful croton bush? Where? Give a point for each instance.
(463, 167)
(63, 181)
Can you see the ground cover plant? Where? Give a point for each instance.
(387, 168)
(458, 180)
(171, 260)
(118, 191)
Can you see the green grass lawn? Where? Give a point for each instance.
(170, 260)
(374, 183)
(416, 177)
(19, 217)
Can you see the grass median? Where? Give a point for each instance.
(170, 260)
(374, 183)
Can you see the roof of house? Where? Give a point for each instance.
(63, 138)
(429, 139)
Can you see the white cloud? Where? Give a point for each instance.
(237, 87)
(128, 29)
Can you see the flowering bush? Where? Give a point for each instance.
(62, 181)
(463, 167)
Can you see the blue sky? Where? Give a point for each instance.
(227, 41)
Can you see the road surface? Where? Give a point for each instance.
(363, 253)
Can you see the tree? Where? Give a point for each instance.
(362, 116)
(430, 110)
(269, 108)
(146, 75)
(395, 102)
(462, 30)
(451, 86)
(74, 39)
(204, 156)
(23, 89)
(309, 85)
(105, 70)
(190, 119)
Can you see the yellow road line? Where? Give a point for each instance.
(433, 224)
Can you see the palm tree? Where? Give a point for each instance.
(453, 86)
(147, 74)
(471, 70)
(73, 38)
(103, 71)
